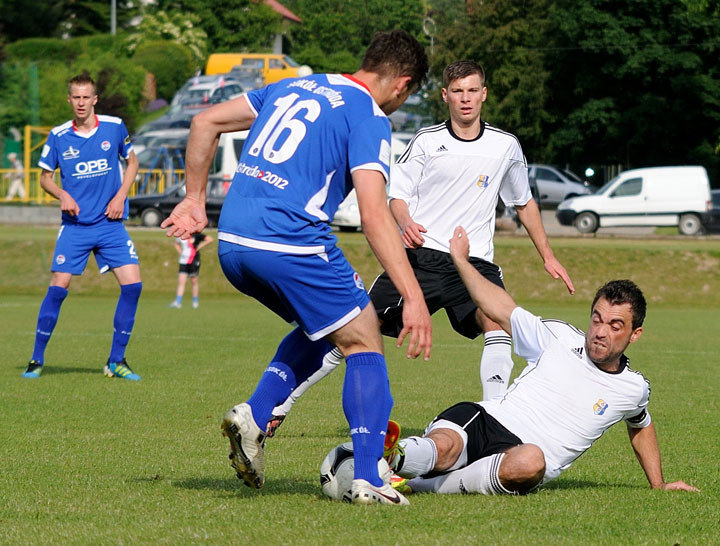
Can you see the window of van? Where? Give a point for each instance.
(276, 63)
(238, 145)
(254, 63)
(547, 174)
(632, 186)
(290, 62)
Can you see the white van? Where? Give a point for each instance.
(227, 156)
(656, 196)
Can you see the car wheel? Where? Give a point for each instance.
(689, 224)
(586, 222)
(151, 218)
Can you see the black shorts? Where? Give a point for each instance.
(486, 436)
(191, 269)
(442, 287)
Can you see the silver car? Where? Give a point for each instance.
(555, 185)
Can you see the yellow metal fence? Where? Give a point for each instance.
(146, 181)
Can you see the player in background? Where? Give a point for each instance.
(452, 174)
(311, 141)
(189, 260)
(574, 388)
(93, 200)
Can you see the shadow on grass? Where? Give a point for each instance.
(51, 370)
(272, 487)
(568, 484)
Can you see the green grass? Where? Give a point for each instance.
(85, 459)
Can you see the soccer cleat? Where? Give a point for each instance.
(400, 484)
(175, 305)
(120, 369)
(247, 443)
(363, 492)
(273, 424)
(34, 369)
(393, 452)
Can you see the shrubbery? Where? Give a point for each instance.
(170, 63)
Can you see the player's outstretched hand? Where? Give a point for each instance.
(411, 234)
(678, 486)
(557, 271)
(68, 204)
(115, 208)
(416, 323)
(187, 217)
(459, 245)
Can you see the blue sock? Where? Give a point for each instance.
(47, 319)
(178, 300)
(124, 319)
(367, 403)
(195, 300)
(297, 358)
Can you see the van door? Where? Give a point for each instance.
(276, 70)
(625, 205)
(550, 185)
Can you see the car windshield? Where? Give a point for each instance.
(572, 176)
(290, 61)
(716, 198)
(605, 186)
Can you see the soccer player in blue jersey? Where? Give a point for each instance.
(93, 199)
(311, 141)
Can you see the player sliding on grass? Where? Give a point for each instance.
(311, 140)
(574, 388)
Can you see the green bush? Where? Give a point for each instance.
(170, 63)
(38, 49)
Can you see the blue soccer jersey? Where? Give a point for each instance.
(89, 165)
(309, 135)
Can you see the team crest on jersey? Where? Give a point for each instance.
(484, 181)
(60, 259)
(71, 153)
(105, 145)
(600, 406)
(358, 281)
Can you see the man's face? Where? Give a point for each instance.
(610, 331)
(82, 98)
(464, 97)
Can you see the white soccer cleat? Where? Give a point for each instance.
(246, 445)
(363, 492)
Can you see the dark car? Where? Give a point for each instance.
(153, 208)
(712, 223)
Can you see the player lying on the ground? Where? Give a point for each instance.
(574, 388)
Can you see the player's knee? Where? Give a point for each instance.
(449, 445)
(522, 468)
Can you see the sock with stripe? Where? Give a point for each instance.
(367, 403)
(479, 477)
(124, 319)
(47, 319)
(496, 364)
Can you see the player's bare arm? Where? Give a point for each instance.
(380, 229)
(529, 216)
(116, 206)
(67, 203)
(410, 231)
(492, 300)
(189, 215)
(647, 451)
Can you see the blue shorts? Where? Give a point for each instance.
(319, 292)
(109, 241)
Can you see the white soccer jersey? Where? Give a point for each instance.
(448, 182)
(562, 402)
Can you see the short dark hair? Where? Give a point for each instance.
(624, 291)
(396, 53)
(81, 79)
(462, 69)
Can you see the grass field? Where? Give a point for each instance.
(88, 460)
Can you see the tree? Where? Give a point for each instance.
(230, 25)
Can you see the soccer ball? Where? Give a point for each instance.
(338, 470)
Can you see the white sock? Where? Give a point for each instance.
(420, 456)
(479, 477)
(496, 364)
(330, 362)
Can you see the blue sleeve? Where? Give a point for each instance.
(48, 157)
(256, 97)
(125, 143)
(369, 146)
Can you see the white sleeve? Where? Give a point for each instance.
(530, 335)
(515, 187)
(640, 418)
(405, 175)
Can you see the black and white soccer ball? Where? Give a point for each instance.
(338, 470)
